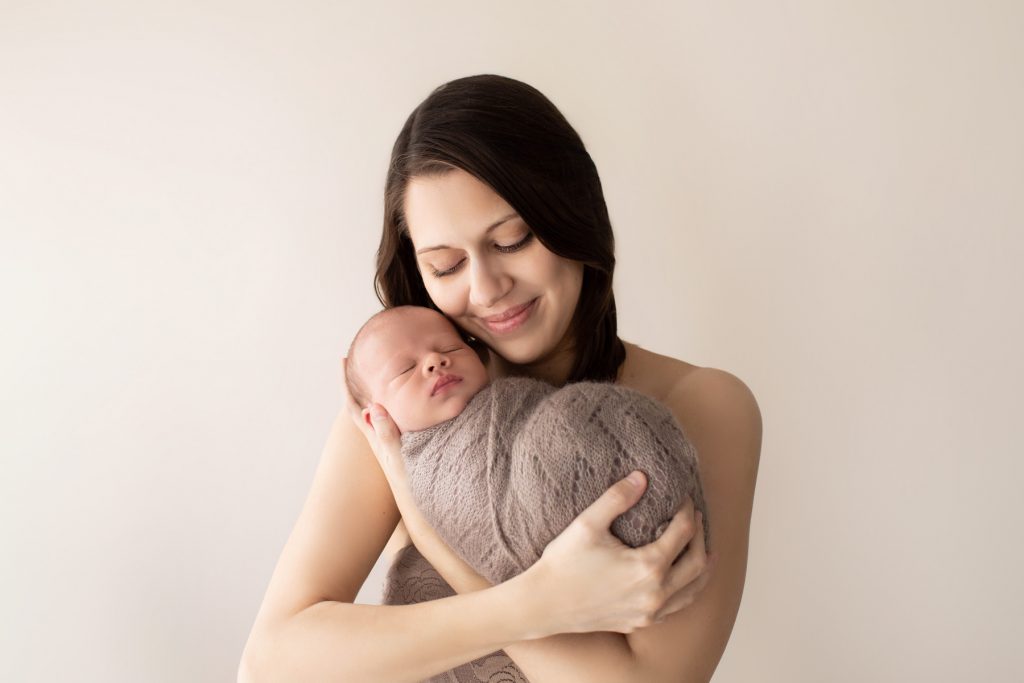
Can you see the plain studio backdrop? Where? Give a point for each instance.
(824, 199)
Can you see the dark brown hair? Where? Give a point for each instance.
(509, 136)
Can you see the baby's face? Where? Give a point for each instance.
(415, 365)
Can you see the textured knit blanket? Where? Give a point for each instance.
(506, 476)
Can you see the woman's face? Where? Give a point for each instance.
(484, 268)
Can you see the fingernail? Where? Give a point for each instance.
(376, 412)
(635, 478)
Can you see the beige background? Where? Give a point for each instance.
(822, 198)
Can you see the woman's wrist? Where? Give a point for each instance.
(527, 606)
(522, 598)
(452, 568)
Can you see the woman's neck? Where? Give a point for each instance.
(553, 368)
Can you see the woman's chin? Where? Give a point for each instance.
(521, 353)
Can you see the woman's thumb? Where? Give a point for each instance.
(621, 496)
(383, 426)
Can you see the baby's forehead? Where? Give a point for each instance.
(409, 317)
(394, 327)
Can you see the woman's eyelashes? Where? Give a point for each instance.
(446, 271)
(501, 248)
(514, 247)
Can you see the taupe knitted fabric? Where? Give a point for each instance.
(506, 476)
(410, 580)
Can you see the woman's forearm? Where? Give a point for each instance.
(596, 657)
(336, 641)
(599, 657)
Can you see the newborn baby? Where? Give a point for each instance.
(500, 469)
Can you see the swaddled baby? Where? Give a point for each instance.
(499, 469)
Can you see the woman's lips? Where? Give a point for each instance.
(443, 382)
(510, 319)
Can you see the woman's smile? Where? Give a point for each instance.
(519, 302)
(511, 319)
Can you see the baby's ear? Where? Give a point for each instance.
(366, 416)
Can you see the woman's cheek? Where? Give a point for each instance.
(447, 299)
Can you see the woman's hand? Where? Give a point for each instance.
(591, 581)
(381, 433)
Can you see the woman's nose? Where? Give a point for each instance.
(487, 285)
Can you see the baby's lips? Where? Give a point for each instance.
(444, 381)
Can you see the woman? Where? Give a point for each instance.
(494, 215)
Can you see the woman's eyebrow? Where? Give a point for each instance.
(492, 226)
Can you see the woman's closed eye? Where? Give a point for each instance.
(514, 247)
(502, 248)
(447, 271)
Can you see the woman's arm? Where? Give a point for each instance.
(720, 415)
(599, 656)
(307, 628)
(596, 564)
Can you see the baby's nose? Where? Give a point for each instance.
(438, 361)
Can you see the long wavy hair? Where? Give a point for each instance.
(511, 137)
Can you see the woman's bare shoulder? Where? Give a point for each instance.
(692, 391)
(653, 373)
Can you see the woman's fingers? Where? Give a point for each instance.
(693, 561)
(688, 577)
(679, 532)
(685, 597)
(383, 426)
(621, 496)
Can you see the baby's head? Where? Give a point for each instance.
(412, 361)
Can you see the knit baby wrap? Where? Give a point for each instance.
(523, 459)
